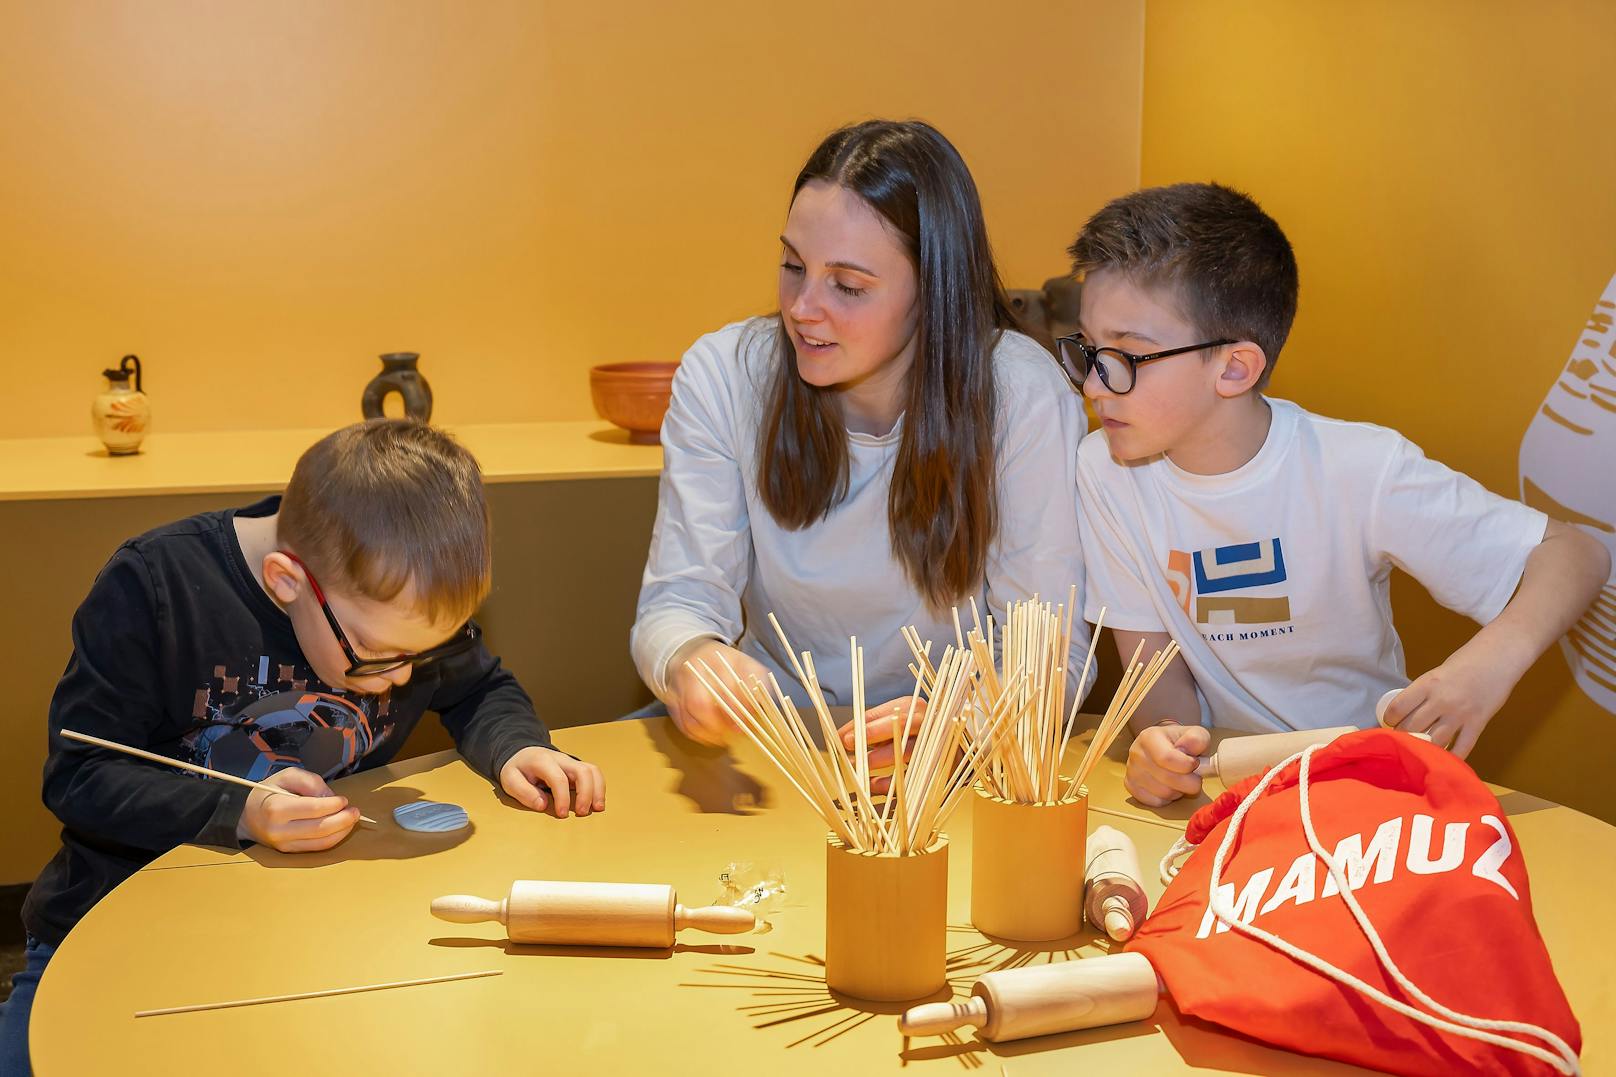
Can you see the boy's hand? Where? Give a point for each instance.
(1162, 761)
(307, 818)
(695, 710)
(574, 786)
(1452, 703)
(882, 726)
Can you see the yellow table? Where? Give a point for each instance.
(205, 926)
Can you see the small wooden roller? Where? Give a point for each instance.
(592, 914)
(1041, 999)
(1241, 757)
(1114, 897)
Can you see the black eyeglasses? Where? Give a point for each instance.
(1118, 369)
(463, 640)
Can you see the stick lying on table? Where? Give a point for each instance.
(316, 994)
(141, 753)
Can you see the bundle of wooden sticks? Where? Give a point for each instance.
(1031, 668)
(1001, 727)
(945, 763)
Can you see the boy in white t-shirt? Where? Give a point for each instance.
(1262, 537)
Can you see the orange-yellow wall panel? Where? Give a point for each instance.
(258, 198)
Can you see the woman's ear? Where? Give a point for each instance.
(1243, 365)
(283, 578)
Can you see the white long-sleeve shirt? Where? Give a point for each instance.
(719, 563)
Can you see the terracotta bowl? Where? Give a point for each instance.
(633, 396)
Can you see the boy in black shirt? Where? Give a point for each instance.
(291, 642)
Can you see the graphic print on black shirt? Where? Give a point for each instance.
(257, 716)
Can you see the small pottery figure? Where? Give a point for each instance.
(399, 376)
(122, 415)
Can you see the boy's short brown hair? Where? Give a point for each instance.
(1226, 262)
(379, 505)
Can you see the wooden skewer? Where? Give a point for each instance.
(923, 788)
(741, 715)
(167, 761)
(317, 994)
(1137, 683)
(1066, 738)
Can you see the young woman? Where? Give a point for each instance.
(881, 450)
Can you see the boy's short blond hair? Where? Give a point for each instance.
(378, 506)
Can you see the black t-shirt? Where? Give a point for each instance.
(178, 650)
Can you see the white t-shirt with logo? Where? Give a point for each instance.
(1274, 578)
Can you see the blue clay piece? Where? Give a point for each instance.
(430, 817)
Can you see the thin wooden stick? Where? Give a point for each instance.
(141, 753)
(1137, 683)
(739, 714)
(947, 756)
(1077, 699)
(317, 994)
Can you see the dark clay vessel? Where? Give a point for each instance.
(399, 376)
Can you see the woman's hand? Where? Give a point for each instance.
(695, 710)
(883, 725)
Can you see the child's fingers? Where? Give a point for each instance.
(1469, 733)
(598, 785)
(1410, 710)
(583, 788)
(1442, 732)
(312, 845)
(1179, 750)
(1182, 785)
(303, 783)
(279, 810)
(1147, 790)
(551, 774)
(524, 790)
(333, 827)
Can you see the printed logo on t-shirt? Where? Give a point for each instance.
(271, 716)
(1209, 584)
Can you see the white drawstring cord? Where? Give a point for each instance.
(1167, 870)
(1563, 1059)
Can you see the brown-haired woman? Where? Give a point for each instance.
(881, 449)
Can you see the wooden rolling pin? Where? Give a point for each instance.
(592, 914)
(1040, 999)
(1113, 888)
(1241, 757)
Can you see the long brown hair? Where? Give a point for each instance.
(942, 508)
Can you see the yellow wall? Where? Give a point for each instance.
(259, 198)
(1445, 172)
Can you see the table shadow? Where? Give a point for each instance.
(710, 778)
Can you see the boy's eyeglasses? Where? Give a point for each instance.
(1118, 369)
(463, 640)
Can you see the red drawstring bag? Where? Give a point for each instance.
(1371, 906)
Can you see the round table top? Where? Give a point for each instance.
(201, 925)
